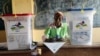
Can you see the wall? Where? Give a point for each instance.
(26, 6)
(96, 34)
(46, 8)
(18, 7)
(5, 7)
(22, 6)
(2, 36)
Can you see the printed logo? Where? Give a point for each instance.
(81, 25)
(16, 27)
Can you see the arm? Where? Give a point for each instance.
(65, 32)
(47, 32)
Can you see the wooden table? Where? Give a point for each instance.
(16, 53)
(72, 50)
(66, 50)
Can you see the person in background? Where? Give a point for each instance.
(57, 31)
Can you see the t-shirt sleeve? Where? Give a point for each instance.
(47, 32)
(65, 31)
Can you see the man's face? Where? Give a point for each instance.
(59, 20)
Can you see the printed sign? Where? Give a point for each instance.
(55, 46)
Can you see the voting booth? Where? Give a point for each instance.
(18, 31)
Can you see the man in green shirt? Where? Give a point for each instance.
(57, 31)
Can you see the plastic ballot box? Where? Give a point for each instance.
(81, 23)
(18, 31)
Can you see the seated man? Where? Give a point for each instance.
(57, 31)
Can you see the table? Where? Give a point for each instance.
(16, 52)
(74, 50)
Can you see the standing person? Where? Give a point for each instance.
(56, 31)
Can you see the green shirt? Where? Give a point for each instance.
(52, 31)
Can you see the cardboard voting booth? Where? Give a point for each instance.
(81, 23)
(18, 31)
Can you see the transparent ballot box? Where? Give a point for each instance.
(81, 23)
(18, 31)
